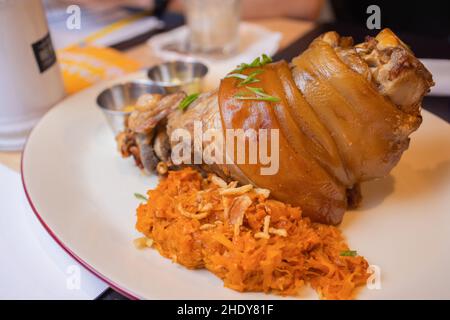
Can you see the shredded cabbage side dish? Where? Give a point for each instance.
(253, 243)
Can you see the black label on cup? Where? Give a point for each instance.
(44, 53)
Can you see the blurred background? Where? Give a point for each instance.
(218, 30)
(421, 17)
(214, 33)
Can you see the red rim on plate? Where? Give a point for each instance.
(71, 253)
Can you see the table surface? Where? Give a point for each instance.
(290, 29)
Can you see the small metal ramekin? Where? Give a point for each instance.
(179, 76)
(113, 100)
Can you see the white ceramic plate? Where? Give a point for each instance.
(82, 191)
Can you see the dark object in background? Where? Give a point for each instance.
(430, 17)
(422, 46)
(110, 294)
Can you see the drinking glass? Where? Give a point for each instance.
(213, 26)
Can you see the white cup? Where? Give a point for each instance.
(30, 79)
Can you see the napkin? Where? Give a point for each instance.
(254, 41)
(32, 265)
(113, 25)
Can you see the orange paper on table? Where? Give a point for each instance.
(83, 66)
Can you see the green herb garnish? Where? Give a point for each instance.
(260, 95)
(266, 59)
(140, 196)
(258, 91)
(269, 98)
(256, 63)
(348, 253)
(188, 100)
(237, 75)
(250, 78)
(246, 79)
